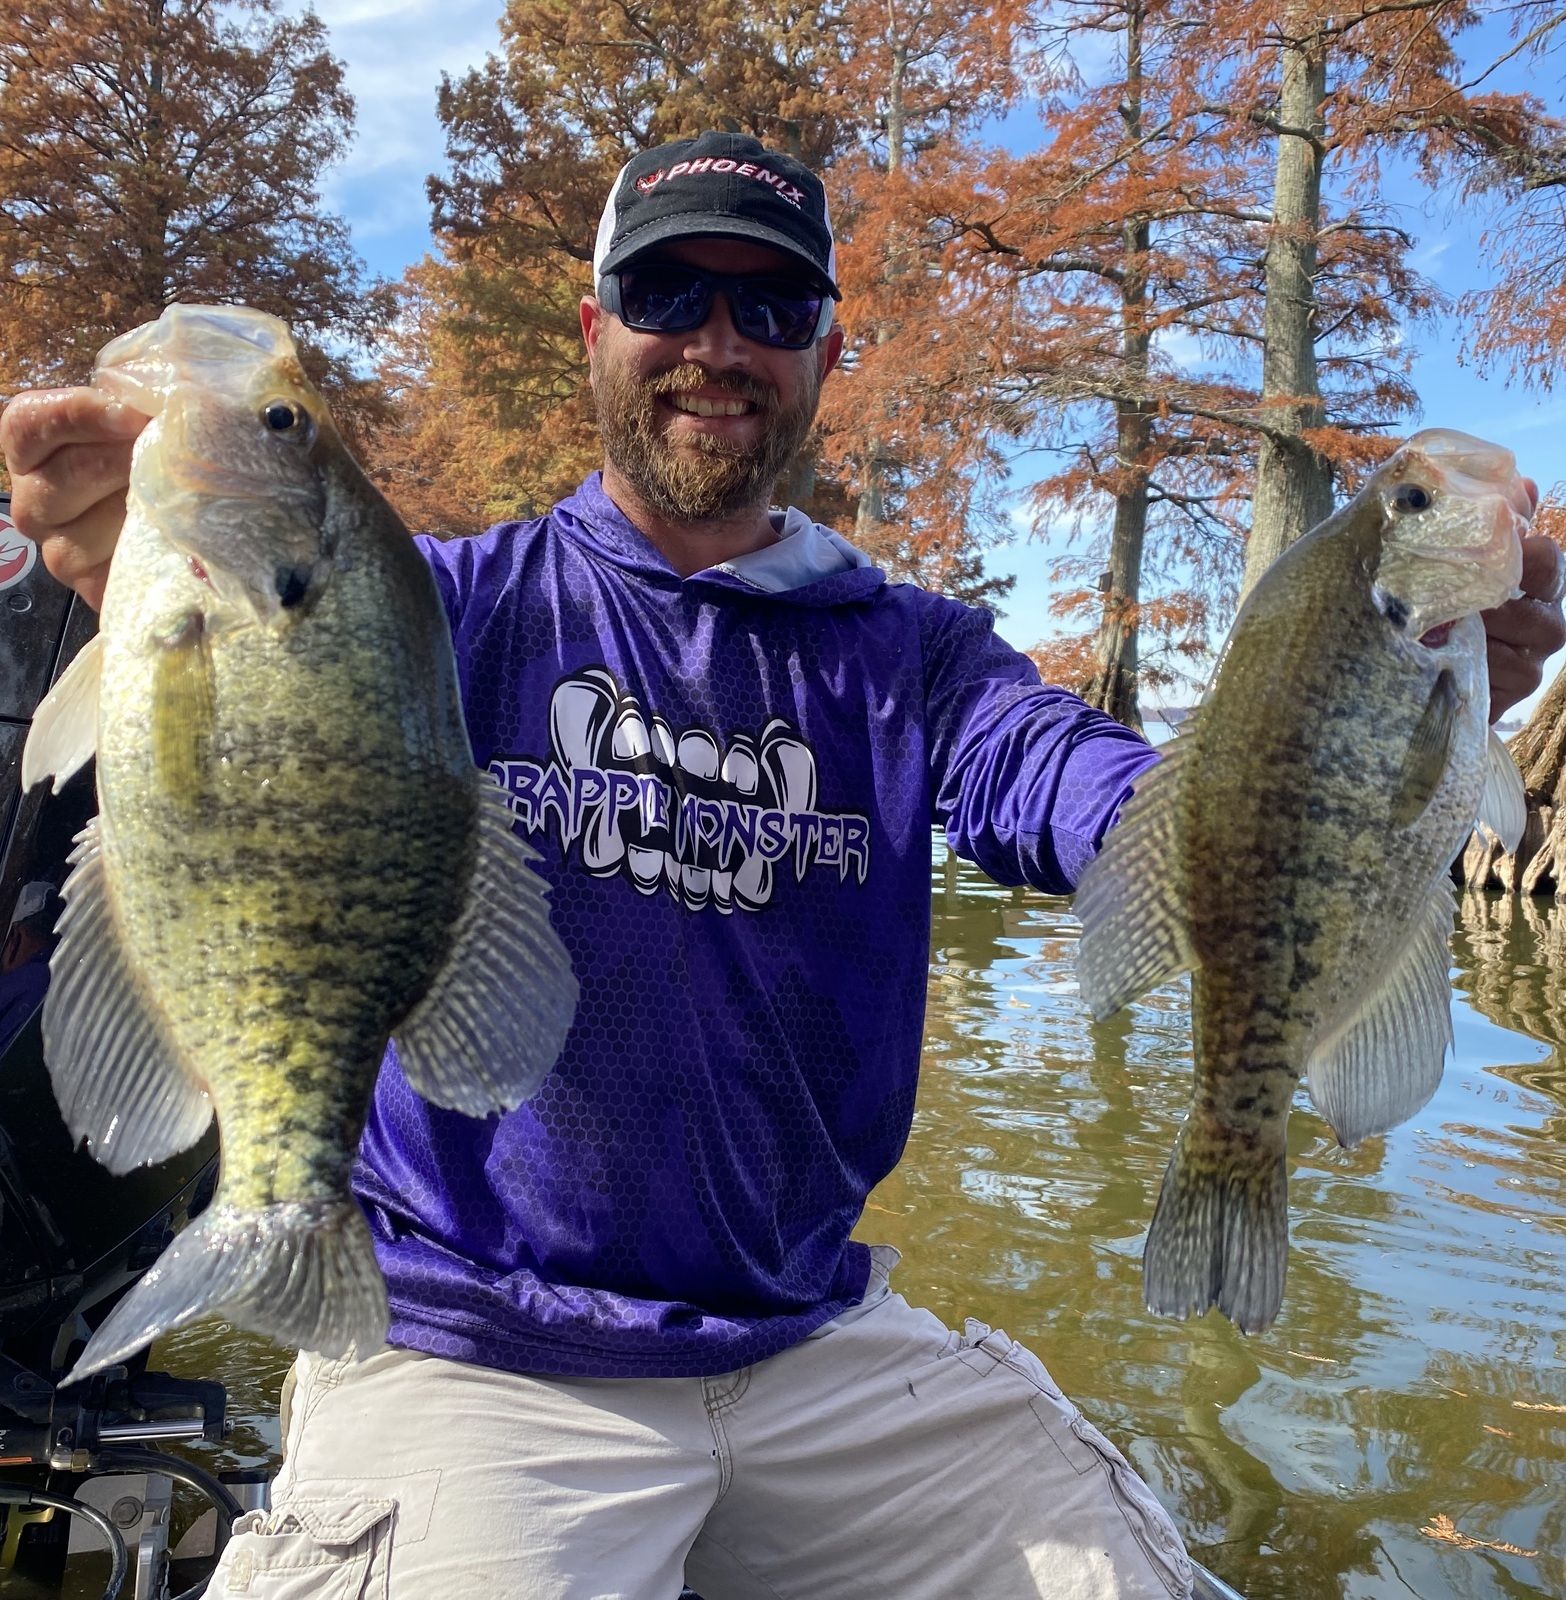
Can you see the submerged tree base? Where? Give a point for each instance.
(1539, 863)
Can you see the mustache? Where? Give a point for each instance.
(689, 377)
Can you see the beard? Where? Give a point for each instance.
(703, 478)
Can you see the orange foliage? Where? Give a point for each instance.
(158, 153)
(1066, 661)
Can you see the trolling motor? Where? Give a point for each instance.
(80, 1467)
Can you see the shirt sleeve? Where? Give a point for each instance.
(1027, 779)
(451, 564)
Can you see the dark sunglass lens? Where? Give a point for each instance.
(780, 314)
(666, 298)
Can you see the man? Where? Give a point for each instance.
(632, 1341)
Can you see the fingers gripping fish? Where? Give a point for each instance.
(294, 856)
(1292, 853)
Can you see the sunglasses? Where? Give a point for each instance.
(670, 297)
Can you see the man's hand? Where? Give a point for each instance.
(1524, 633)
(68, 452)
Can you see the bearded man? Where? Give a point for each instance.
(633, 1341)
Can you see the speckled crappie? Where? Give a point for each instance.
(1292, 852)
(295, 856)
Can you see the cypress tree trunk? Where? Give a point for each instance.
(1293, 483)
(1114, 684)
(870, 513)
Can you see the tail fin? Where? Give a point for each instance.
(303, 1273)
(1220, 1235)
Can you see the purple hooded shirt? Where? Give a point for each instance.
(731, 780)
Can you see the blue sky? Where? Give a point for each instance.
(396, 50)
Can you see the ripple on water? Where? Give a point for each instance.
(1426, 1305)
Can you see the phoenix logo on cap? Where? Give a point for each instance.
(744, 169)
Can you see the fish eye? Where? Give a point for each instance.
(282, 416)
(1411, 497)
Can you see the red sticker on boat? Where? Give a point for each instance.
(17, 554)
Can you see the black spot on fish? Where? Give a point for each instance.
(1395, 611)
(302, 1080)
(292, 585)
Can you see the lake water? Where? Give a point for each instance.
(1401, 1430)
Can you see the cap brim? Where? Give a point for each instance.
(688, 226)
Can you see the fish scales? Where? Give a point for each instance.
(295, 857)
(285, 801)
(1291, 853)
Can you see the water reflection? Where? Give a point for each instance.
(1418, 1371)
(1426, 1296)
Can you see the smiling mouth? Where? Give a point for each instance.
(696, 406)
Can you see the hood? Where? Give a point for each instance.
(808, 565)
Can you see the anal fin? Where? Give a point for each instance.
(1384, 1062)
(485, 1036)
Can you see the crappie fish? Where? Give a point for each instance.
(1292, 852)
(295, 856)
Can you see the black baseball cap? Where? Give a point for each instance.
(723, 184)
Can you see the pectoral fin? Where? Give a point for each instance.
(494, 1021)
(1131, 900)
(118, 1081)
(64, 734)
(1503, 807)
(183, 712)
(1425, 761)
(1384, 1063)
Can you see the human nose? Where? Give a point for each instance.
(718, 343)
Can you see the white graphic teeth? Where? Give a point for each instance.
(740, 769)
(791, 768)
(630, 734)
(578, 714)
(603, 743)
(602, 847)
(699, 753)
(646, 867)
(753, 882)
(694, 882)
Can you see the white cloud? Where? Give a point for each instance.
(1427, 258)
(394, 53)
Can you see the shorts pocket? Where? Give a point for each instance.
(309, 1550)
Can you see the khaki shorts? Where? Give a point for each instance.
(884, 1456)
